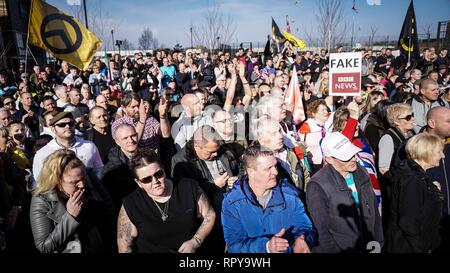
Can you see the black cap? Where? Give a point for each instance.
(57, 116)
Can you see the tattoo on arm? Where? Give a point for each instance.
(125, 238)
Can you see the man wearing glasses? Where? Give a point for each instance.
(63, 126)
(341, 201)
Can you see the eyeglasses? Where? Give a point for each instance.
(64, 124)
(408, 117)
(8, 103)
(149, 179)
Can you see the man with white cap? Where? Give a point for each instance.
(341, 201)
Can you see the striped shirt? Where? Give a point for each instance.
(150, 137)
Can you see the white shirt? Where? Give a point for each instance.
(85, 150)
(184, 128)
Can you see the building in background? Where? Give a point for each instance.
(13, 35)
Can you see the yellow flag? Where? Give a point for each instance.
(61, 35)
(294, 40)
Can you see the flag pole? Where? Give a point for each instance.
(409, 50)
(28, 35)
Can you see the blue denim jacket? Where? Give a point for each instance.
(247, 227)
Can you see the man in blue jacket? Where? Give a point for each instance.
(263, 215)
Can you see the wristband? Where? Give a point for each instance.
(197, 240)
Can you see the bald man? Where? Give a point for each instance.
(190, 120)
(429, 91)
(438, 120)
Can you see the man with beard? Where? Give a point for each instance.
(149, 130)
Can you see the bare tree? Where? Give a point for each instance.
(331, 23)
(127, 45)
(99, 20)
(148, 40)
(427, 30)
(215, 29)
(373, 32)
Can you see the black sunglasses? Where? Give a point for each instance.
(408, 117)
(149, 179)
(8, 103)
(64, 124)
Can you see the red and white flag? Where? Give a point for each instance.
(293, 99)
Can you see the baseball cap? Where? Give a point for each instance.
(59, 116)
(338, 146)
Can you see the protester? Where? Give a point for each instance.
(161, 215)
(69, 213)
(341, 201)
(416, 201)
(263, 214)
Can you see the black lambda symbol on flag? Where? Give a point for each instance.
(47, 34)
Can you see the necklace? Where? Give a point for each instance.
(164, 214)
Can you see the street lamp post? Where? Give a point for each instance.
(112, 36)
(192, 45)
(218, 43)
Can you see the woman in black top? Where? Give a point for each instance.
(416, 201)
(161, 216)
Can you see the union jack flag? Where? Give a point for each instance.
(367, 160)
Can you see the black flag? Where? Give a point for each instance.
(408, 41)
(277, 36)
(267, 51)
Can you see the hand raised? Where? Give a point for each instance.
(75, 203)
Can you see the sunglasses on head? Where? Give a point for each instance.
(408, 117)
(64, 124)
(146, 180)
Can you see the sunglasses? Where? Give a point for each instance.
(149, 179)
(64, 124)
(408, 117)
(8, 103)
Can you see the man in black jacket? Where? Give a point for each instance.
(438, 120)
(342, 203)
(116, 176)
(205, 160)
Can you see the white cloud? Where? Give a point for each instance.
(374, 2)
(73, 2)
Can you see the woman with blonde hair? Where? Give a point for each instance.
(401, 119)
(416, 201)
(371, 100)
(68, 213)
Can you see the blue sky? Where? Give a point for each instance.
(170, 19)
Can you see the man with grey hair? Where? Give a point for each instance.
(116, 176)
(270, 135)
(61, 94)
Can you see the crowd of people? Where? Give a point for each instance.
(198, 151)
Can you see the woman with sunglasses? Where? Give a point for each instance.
(401, 119)
(68, 212)
(162, 216)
